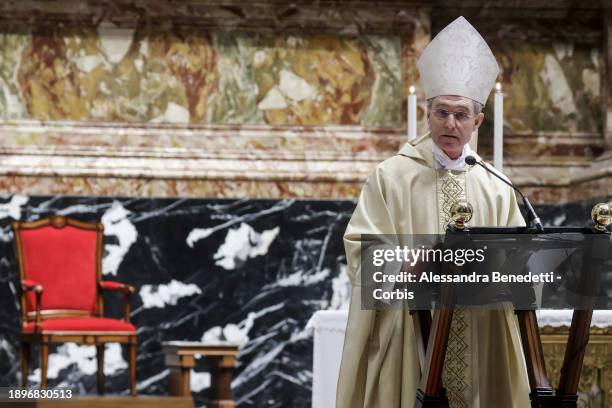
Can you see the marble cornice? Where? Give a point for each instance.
(558, 176)
(255, 153)
(204, 140)
(326, 155)
(198, 169)
(557, 135)
(229, 142)
(168, 165)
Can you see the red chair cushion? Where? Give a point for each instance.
(82, 324)
(63, 261)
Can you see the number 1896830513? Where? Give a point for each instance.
(25, 394)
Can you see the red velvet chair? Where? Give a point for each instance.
(60, 264)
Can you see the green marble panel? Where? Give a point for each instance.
(186, 75)
(326, 79)
(551, 87)
(12, 43)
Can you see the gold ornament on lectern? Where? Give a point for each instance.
(601, 214)
(461, 213)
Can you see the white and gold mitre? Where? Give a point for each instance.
(458, 61)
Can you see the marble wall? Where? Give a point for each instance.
(248, 271)
(553, 85)
(182, 74)
(223, 143)
(554, 70)
(559, 91)
(168, 102)
(91, 101)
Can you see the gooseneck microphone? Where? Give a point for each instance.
(532, 218)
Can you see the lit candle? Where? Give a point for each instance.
(498, 129)
(412, 115)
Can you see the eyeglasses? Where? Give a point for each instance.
(443, 114)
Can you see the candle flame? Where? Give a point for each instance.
(498, 87)
(411, 89)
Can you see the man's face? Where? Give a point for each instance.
(450, 132)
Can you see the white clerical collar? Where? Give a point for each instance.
(445, 162)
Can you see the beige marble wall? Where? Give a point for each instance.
(552, 81)
(185, 75)
(551, 87)
(106, 90)
(132, 108)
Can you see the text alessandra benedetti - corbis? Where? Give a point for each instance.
(493, 277)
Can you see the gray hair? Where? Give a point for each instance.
(478, 107)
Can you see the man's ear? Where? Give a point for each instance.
(478, 120)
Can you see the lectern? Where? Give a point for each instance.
(432, 334)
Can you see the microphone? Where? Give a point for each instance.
(532, 217)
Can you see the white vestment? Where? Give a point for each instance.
(484, 365)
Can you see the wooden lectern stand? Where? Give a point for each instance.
(431, 393)
(432, 340)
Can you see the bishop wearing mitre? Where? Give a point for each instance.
(411, 193)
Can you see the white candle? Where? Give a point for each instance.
(498, 129)
(412, 115)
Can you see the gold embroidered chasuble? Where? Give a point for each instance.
(484, 365)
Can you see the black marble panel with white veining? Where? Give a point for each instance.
(248, 271)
